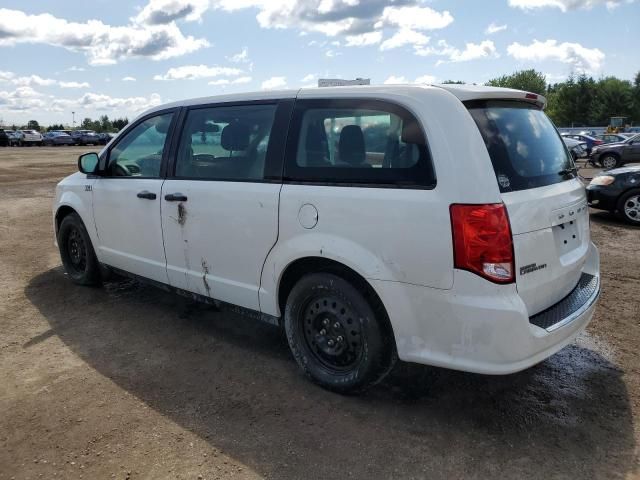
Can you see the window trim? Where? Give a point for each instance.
(103, 163)
(274, 159)
(294, 174)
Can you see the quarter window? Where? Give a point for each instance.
(225, 143)
(139, 152)
(358, 142)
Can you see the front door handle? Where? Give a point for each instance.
(147, 194)
(175, 197)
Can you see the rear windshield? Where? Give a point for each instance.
(525, 148)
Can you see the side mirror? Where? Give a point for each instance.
(88, 163)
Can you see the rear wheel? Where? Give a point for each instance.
(629, 207)
(609, 161)
(76, 251)
(338, 337)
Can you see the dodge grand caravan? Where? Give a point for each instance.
(442, 225)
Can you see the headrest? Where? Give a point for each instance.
(351, 145)
(235, 136)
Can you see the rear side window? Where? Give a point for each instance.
(357, 142)
(225, 142)
(524, 145)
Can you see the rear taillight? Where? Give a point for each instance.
(482, 241)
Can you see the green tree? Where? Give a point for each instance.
(528, 80)
(119, 123)
(614, 97)
(33, 125)
(105, 124)
(454, 82)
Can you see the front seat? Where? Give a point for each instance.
(351, 147)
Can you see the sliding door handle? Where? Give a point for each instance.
(175, 197)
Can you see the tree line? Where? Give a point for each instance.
(102, 125)
(581, 100)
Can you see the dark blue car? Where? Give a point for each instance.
(588, 139)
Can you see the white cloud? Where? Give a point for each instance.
(363, 40)
(404, 37)
(103, 44)
(311, 77)
(274, 83)
(393, 80)
(565, 5)
(31, 80)
(241, 80)
(415, 18)
(430, 79)
(128, 79)
(579, 57)
(74, 85)
(193, 72)
(494, 28)
(75, 69)
(332, 53)
(21, 99)
(241, 57)
(102, 102)
(161, 12)
(472, 51)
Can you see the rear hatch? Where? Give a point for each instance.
(545, 200)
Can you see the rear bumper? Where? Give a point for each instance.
(478, 326)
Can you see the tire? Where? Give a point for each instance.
(629, 207)
(339, 337)
(76, 251)
(609, 161)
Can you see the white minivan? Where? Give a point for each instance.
(443, 225)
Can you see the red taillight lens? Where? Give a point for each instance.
(597, 142)
(482, 241)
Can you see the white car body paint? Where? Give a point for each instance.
(241, 237)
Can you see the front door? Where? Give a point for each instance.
(220, 208)
(126, 200)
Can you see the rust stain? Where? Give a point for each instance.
(182, 214)
(205, 272)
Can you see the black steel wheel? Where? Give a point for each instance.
(77, 254)
(339, 336)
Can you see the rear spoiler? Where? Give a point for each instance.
(466, 93)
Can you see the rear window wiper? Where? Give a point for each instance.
(567, 171)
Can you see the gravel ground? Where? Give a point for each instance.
(127, 381)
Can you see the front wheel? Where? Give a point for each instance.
(76, 251)
(339, 338)
(629, 207)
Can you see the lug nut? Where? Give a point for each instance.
(323, 332)
(340, 338)
(336, 325)
(330, 343)
(325, 322)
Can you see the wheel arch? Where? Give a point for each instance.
(295, 270)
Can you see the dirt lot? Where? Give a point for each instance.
(130, 382)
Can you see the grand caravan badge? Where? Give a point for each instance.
(532, 267)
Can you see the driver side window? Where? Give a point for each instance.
(139, 152)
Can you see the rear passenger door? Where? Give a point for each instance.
(220, 201)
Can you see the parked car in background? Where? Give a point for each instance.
(612, 155)
(588, 139)
(85, 137)
(617, 190)
(4, 138)
(105, 137)
(29, 137)
(578, 149)
(341, 215)
(57, 138)
(612, 137)
(13, 136)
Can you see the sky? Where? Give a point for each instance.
(120, 57)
